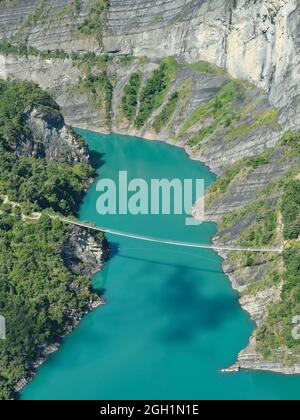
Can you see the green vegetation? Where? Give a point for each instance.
(164, 117)
(224, 112)
(220, 186)
(263, 230)
(24, 50)
(259, 160)
(290, 209)
(38, 16)
(235, 172)
(292, 140)
(39, 296)
(151, 96)
(143, 60)
(205, 67)
(268, 117)
(39, 185)
(125, 60)
(276, 332)
(156, 87)
(34, 182)
(77, 4)
(221, 111)
(270, 279)
(288, 185)
(5, 2)
(91, 59)
(52, 16)
(95, 82)
(129, 100)
(15, 97)
(288, 188)
(100, 90)
(46, 15)
(93, 25)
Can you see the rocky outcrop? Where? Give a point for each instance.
(84, 252)
(49, 138)
(257, 305)
(250, 359)
(251, 277)
(58, 77)
(248, 186)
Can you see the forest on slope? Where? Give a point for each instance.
(40, 297)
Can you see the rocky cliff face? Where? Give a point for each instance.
(46, 24)
(83, 252)
(256, 41)
(49, 138)
(63, 78)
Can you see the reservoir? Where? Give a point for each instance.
(172, 319)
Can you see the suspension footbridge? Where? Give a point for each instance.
(170, 242)
(227, 248)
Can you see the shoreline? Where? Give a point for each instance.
(48, 350)
(95, 302)
(248, 359)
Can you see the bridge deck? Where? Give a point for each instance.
(36, 216)
(171, 242)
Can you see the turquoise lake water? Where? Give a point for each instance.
(172, 320)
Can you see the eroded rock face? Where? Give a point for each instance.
(257, 41)
(247, 188)
(51, 138)
(83, 253)
(254, 40)
(48, 137)
(250, 359)
(47, 25)
(189, 28)
(62, 76)
(263, 46)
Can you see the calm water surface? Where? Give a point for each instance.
(172, 320)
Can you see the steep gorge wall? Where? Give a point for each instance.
(46, 24)
(62, 79)
(254, 40)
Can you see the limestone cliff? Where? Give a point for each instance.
(256, 41)
(67, 81)
(84, 252)
(49, 138)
